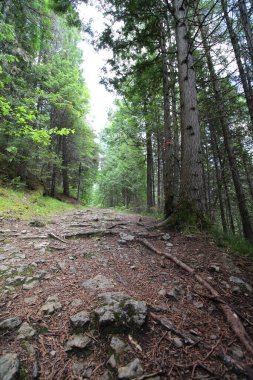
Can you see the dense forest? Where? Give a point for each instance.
(179, 140)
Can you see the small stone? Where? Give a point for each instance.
(52, 353)
(162, 292)
(126, 237)
(25, 331)
(237, 352)
(77, 341)
(214, 268)
(213, 337)
(17, 280)
(133, 267)
(169, 245)
(175, 293)
(236, 280)
(80, 319)
(9, 366)
(198, 304)
(131, 370)
(98, 282)
(51, 305)
(122, 242)
(166, 237)
(236, 289)
(118, 345)
(10, 323)
(112, 361)
(30, 285)
(62, 265)
(76, 302)
(178, 342)
(71, 258)
(248, 287)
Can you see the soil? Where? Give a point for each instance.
(168, 290)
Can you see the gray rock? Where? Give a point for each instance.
(17, 280)
(120, 310)
(9, 366)
(41, 246)
(122, 242)
(80, 319)
(4, 268)
(83, 369)
(51, 305)
(98, 282)
(169, 245)
(118, 345)
(131, 370)
(198, 304)
(166, 237)
(77, 341)
(126, 237)
(214, 268)
(237, 352)
(236, 280)
(248, 287)
(175, 293)
(178, 342)
(25, 331)
(162, 293)
(62, 265)
(76, 302)
(30, 285)
(112, 361)
(10, 323)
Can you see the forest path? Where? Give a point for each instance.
(50, 272)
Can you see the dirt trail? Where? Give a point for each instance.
(59, 258)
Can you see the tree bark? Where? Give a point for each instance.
(168, 148)
(236, 47)
(244, 213)
(149, 152)
(65, 175)
(191, 189)
(246, 23)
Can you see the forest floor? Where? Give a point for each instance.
(51, 271)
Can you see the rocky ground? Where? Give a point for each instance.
(83, 298)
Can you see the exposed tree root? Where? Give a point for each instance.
(230, 315)
(230, 363)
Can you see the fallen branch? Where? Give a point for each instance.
(34, 237)
(230, 315)
(171, 327)
(87, 234)
(57, 237)
(230, 363)
(150, 375)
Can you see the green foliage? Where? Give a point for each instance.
(121, 178)
(235, 243)
(26, 205)
(43, 98)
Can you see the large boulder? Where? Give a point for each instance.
(119, 310)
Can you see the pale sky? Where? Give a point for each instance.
(101, 100)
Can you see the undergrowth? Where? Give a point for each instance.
(234, 242)
(29, 204)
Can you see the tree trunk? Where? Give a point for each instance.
(245, 218)
(246, 23)
(54, 170)
(218, 181)
(191, 189)
(149, 151)
(237, 52)
(79, 182)
(65, 175)
(168, 148)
